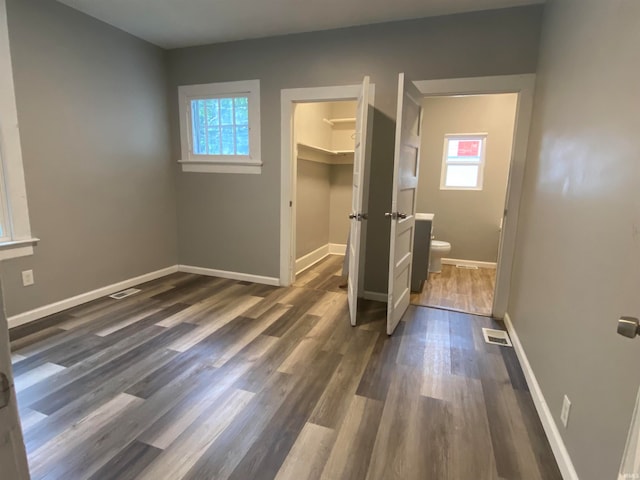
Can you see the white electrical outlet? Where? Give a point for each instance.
(27, 278)
(566, 408)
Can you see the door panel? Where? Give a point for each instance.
(406, 168)
(13, 459)
(362, 142)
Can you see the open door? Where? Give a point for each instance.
(403, 204)
(357, 216)
(13, 459)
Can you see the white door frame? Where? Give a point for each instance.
(289, 97)
(523, 85)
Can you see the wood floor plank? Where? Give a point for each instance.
(129, 463)
(308, 454)
(41, 459)
(208, 378)
(177, 460)
(36, 375)
(351, 452)
(461, 289)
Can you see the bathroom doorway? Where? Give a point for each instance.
(465, 161)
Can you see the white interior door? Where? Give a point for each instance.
(13, 459)
(359, 165)
(403, 205)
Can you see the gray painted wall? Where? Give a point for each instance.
(577, 265)
(232, 222)
(92, 106)
(468, 219)
(313, 202)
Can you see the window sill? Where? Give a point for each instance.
(17, 248)
(199, 166)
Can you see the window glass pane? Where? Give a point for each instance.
(462, 176)
(198, 125)
(213, 137)
(227, 140)
(213, 115)
(464, 150)
(242, 110)
(242, 140)
(226, 111)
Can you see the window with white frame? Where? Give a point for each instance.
(220, 127)
(463, 162)
(15, 229)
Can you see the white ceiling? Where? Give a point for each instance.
(181, 23)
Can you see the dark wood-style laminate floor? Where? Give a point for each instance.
(461, 289)
(205, 378)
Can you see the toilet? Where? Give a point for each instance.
(439, 249)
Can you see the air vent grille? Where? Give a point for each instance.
(125, 293)
(496, 337)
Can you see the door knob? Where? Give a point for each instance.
(391, 215)
(628, 326)
(352, 216)
(402, 216)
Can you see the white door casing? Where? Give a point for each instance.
(13, 458)
(406, 166)
(357, 198)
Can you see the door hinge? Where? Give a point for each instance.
(291, 203)
(5, 390)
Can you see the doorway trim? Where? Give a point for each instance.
(524, 86)
(288, 98)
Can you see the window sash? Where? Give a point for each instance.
(463, 161)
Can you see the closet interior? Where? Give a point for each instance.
(324, 138)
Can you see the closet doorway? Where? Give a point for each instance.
(323, 146)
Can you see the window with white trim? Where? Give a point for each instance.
(463, 162)
(15, 229)
(220, 127)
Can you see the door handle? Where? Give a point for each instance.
(5, 390)
(358, 216)
(352, 216)
(396, 215)
(628, 326)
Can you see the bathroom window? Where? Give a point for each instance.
(463, 162)
(220, 127)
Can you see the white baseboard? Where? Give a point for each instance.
(337, 248)
(551, 429)
(246, 277)
(376, 296)
(311, 259)
(468, 263)
(41, 312)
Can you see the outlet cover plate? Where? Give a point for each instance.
(27, 278)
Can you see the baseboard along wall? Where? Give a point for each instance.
(469, 263)
(311, 258)
(546, 417)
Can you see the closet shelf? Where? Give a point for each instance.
(334, 121)
(324, 150)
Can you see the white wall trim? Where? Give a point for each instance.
(246, 277)
(523, 85)
(311, 258)
(469, 263)
(376, 296)
(337, 249)
(551, 429)
(288, 98)
(41, 312)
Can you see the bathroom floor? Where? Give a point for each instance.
(461, 289)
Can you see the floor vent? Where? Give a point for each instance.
(496, 337)
(125, 293)
(467, 267)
